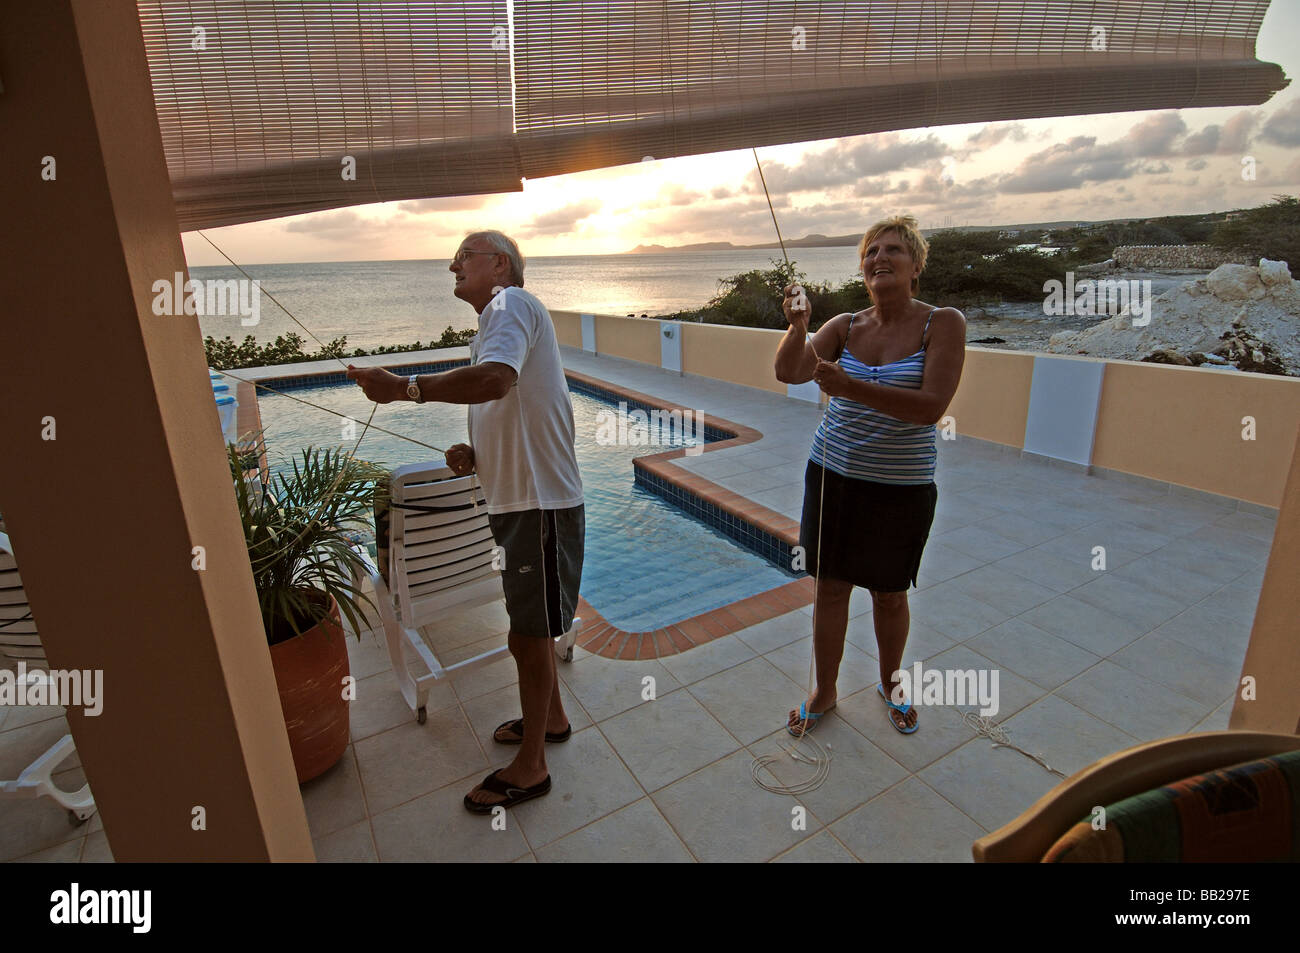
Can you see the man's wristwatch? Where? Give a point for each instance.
(413, 389)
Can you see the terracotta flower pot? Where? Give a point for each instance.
(309, 671)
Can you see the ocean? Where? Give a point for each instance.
(400, 302)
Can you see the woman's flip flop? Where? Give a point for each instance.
(902, 709)
(811, 718)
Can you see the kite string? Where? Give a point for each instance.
(337, 413)
(822, 760)
(982, 726)
(292, 317)
(351, 455)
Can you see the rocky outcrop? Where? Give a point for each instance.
(1239, 315)
(1192, 257)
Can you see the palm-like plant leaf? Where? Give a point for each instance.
(299, 535)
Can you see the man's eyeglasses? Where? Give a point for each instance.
(464, 253)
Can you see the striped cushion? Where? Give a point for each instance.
(1246, 812)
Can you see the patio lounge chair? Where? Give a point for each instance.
(439, 562)
(1210, 796)
(19, 642)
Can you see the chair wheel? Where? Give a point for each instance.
(421, 715)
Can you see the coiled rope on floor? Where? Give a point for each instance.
(984, 727)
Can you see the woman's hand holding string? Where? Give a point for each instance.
(796, 307)
(832, 379)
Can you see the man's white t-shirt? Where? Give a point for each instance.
(523, 443)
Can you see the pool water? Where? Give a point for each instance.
(647, 564)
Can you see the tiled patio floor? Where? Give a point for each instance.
(1090, 662)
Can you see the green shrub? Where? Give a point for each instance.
(226, 355)
(970, 268)
(1269, 231)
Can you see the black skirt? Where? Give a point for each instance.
(872, 534)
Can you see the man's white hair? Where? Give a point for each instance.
(505, 245)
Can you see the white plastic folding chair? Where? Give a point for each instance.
(441, 563)
(20, 642)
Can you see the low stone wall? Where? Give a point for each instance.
(1174, 256)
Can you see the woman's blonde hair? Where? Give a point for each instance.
(906, 226)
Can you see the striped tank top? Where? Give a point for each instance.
(865, 444)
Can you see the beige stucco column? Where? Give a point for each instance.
(1273, 656)
(104, 518)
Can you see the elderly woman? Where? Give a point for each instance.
(869, 495)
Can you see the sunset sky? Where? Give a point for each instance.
(1116, 165)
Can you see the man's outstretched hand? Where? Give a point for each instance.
(381, 386)
(460, 457)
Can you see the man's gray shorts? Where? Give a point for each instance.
(543, 567)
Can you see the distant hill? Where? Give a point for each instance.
(842, 241)
(808, 241)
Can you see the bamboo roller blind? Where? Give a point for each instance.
(256, 124)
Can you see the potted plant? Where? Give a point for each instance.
(300, 529)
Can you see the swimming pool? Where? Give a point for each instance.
(647, 564)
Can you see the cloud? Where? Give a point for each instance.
(880, 186)
(993, 133)
(678, 195)
(1083, 160)
(1232, 136)
(1205, 142)
(561, 221)
(1196, 165)
(847, 162)
(1153, 136)
(1067, 165)
(451, 203)
(1237, 130)
(741, 222)
(1283, 127)
(343, 224)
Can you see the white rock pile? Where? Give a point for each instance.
(1239, 315)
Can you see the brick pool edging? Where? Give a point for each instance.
(727, 511)
(750, 523)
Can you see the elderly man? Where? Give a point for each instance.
(521, 443)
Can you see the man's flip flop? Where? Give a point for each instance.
(811, 717)
(517, 726)
(901, 709)
(512, 794)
